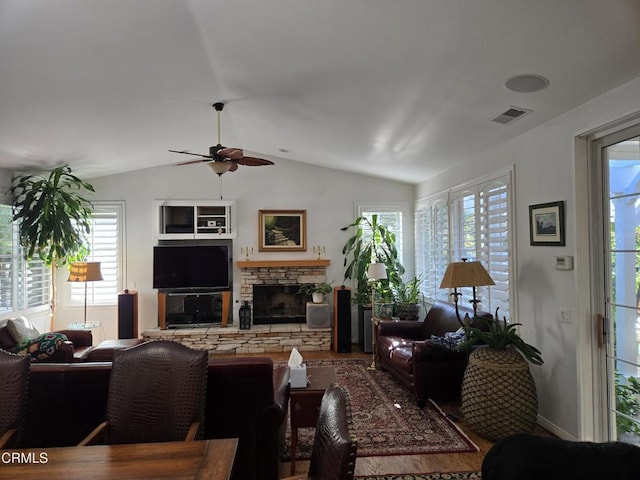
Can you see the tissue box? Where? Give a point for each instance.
(298, 376)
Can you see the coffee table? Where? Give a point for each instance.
(305, 404)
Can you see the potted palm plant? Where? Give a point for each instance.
(498, 392)
(316, 290)
(53, 217)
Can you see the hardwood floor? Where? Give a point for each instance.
(450, 462)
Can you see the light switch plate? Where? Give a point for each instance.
(564, 262)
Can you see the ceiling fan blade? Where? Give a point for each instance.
(254, 162)
(189, 153)
(191, 162)
(234, 166)
(231, 153)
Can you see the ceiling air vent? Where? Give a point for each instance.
(510, 115)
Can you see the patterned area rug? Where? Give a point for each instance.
(426, 476)
(386, 418)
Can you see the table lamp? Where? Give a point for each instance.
(465, 274)
(375, 272)
(84, 272)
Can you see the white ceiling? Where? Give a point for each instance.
(403, 89)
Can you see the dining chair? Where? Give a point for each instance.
(14, 378)
(333, 455)
(156, 394)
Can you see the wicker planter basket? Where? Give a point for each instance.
(498, 394)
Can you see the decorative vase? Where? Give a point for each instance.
(317, 297)
(498, 393)
(408, 311)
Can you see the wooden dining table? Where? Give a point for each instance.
(199, 459)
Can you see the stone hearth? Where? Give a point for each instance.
(260, 339)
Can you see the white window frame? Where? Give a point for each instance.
(95, 290)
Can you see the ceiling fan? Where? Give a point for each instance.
(223, 159)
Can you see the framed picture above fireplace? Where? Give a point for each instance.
(282, 230)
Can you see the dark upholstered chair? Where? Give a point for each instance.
(156, 394)
(333, 456)
(14, 378)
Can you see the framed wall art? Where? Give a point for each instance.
(546, 224)
(282, 230)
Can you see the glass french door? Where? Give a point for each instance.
(618, 155)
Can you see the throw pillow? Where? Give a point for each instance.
(21, 329)
(41, 347)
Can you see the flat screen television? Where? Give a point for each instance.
(191, 267)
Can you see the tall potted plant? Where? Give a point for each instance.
(371, 242)
(498, 392)
(53, 217)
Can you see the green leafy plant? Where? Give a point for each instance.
(409, 293)
(52, 214)
(627, 403)
(310, 288)
(499, 336)
(53, 217)
(371, 242)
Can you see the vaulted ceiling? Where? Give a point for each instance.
(403, 89)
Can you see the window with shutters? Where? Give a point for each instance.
(24, 285)
(480, 229)
(390, 215)
(432, 244)
(106, 246)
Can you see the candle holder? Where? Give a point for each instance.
(319, 249)
(246, 251)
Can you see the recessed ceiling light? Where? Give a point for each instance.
(527, 83)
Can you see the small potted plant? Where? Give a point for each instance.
(408, 298)
(316, 290)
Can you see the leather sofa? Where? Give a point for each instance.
(420, 363)
(74, 349)
(247, 398)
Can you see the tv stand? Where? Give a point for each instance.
(193, 309)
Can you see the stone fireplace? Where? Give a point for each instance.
(271, 288)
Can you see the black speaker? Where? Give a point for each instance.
(128, 314)
(341, 319)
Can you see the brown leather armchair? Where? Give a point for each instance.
(14, 377)
(74, 349)
(333, 456)
(423, 366)
(156, 394)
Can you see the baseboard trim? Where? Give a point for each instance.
(556, 430)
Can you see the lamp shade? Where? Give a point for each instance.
(84, 272)
(377, 271)
(465, 274)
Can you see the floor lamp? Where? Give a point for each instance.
(85, 272)
(375, 272)
(465, 274)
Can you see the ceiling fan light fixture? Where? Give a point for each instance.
(219, 167)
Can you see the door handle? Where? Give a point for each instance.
(601, 330)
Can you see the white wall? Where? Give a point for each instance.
(327, 195)
(545, 165)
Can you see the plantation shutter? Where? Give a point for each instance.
(481, 219)
(432, 245)
(494, 242)
(105, 247)
(23, 284)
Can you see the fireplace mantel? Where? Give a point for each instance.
(282, 263)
